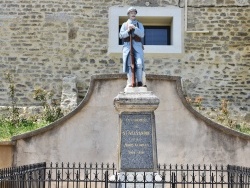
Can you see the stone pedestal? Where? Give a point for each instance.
(137, 151)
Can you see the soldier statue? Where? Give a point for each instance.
(132, 32)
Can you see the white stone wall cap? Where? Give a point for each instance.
(135, 89)
(145, 98)
(135, 108)
(136, 102)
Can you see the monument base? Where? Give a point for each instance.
(136, 179)
(137, 151)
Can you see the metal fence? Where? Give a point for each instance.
(104, 176)
(23, 176)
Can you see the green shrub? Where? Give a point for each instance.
(51, 110)
(15, 122)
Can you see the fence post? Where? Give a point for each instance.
(163, 179)
(106, 179)
(241, 180)
(22, 177)
(44, 173)
(173, 180)
(230, 176)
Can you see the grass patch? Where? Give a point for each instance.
(15, 121)
(244, 129)
(8, 130)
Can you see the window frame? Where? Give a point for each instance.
(177, 30)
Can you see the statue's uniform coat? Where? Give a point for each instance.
(139, 31)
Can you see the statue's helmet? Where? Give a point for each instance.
(130, 9)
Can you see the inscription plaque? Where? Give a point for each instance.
(137, 144)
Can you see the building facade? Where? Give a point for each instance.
(43, 41)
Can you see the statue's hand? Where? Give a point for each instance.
(131, 26)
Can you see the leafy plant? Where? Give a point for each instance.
(13, 110)
(197, 102)
(51, 110)
(17, 121)
(222, 115)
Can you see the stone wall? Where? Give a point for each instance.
(43, 41)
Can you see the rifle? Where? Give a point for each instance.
(133, 82)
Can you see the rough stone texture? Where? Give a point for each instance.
(44, 41)
(200, 3)
(69, 94)
(247, 117)
(90, 132)
(26, 111)
(219, 59)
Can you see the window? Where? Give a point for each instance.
(155, 35)
(163, 30)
